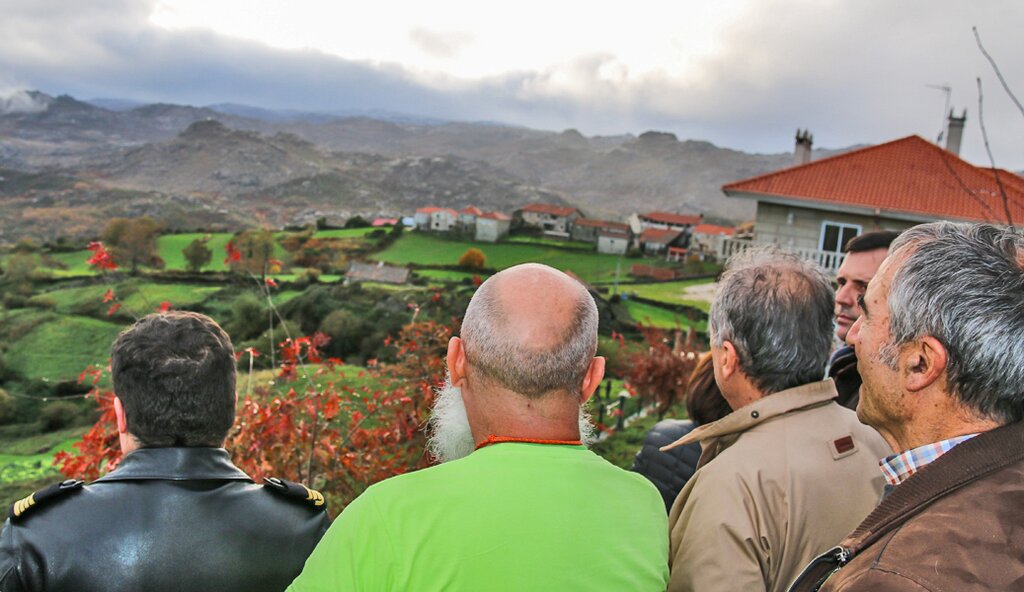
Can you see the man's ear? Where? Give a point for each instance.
(122, 421)
(728, 360)
(456, 360)
(922, 362)
(592, 379)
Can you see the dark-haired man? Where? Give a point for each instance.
(864, 253)
(175, 514)
(939, 350)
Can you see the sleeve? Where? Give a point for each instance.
(10, 568)
(356, 553)
(716, 543)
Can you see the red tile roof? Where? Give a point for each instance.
(910, 177)
(471, 210)
(673, 219)
(601, 224)
(427, 210)
(495, 216)
(549, 209)
(713, 229)
(660, 236)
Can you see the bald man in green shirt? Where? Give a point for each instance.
(518, 503)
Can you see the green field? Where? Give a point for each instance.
(59, 349)
(661, 318)
(424, 249)
(670, 292)
(170, 246)
(136, 298)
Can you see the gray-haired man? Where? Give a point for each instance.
(789, 471)
(939, 349)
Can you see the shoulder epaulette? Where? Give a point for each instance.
(24, 505)
(296, 491)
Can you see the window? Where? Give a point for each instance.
(834, 235)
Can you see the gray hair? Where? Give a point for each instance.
(963, 284)
(518, 366)
(776, 309)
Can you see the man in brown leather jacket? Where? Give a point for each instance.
(939, 349)
(176, 514)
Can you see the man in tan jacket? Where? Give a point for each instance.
(789, 472)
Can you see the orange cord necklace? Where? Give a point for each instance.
(492, 439)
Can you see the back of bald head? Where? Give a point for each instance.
(531, 329)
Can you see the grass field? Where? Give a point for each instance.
(670, 292)
(169, 247)
(59, 349)
(429, 250)
(141, 298)
(661, 318)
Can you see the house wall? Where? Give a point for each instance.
(548, 221)
(612, 245)
(801, 228)
(584, 233)
(489, 230)
(441, 221)
(422, 220)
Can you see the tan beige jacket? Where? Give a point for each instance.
(779, 482)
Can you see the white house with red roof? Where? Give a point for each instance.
(707, 239)
(588, 229)
(549, 218)
(436, 219)
(814, 208)
(468, 216)
(492, 226)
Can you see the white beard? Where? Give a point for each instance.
(451, 438)
(450, 435)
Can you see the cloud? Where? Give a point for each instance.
(20, 101)
(440, 44)
(851, 71)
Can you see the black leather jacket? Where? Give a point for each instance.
(166, 519)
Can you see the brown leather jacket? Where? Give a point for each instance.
(958, 524)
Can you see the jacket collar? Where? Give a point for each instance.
(176, 464)
(770, 406)
(969, 461)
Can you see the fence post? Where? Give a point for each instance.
(622, 413)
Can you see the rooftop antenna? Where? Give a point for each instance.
(948, 90)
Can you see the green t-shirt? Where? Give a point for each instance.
(512, 516)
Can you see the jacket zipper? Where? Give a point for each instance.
(835, 558)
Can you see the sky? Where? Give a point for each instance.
(743, 74)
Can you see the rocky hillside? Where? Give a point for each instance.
(205, 166)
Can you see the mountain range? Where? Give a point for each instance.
(67, 165)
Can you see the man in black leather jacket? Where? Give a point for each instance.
(176, 514)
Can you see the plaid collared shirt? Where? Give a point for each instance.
(898, 467)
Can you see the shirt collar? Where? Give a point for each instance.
(765, 408)
(176, 464)
(898, 467)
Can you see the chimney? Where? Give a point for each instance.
(802, 153)
(955, 131)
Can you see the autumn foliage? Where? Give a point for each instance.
(322, 431)
(662, 373)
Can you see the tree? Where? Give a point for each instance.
(255, 252)
(132, 242)
(662, 373)
(356, 222)
(473, 258)
(197, 254)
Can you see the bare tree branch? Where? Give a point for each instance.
(999, 75)
(991, 159)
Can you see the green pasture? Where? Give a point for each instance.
(423, 249)
(60, 348)
(670, 292)
(646, 314)
(137, 298)
(448, 275)
(170, 246)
